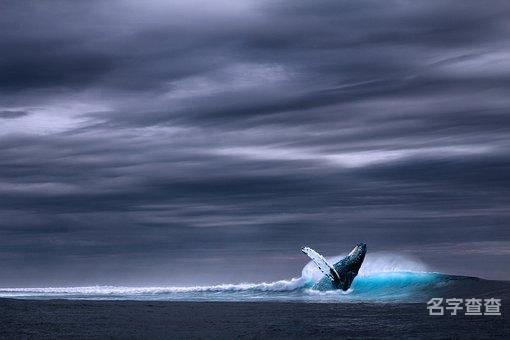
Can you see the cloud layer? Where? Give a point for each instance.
(143, 143)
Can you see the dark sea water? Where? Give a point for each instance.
(107, 319)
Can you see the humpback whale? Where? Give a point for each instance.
(341, 274)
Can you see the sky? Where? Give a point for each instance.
(197, 142)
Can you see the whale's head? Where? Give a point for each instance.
(356, 257)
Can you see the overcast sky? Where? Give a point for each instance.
(165, 142)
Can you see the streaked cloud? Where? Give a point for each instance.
(154, 135)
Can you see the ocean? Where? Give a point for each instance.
(383, 278)
(388, 299)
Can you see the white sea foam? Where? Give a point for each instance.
(277, 286)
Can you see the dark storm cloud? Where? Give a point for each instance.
(140, 140)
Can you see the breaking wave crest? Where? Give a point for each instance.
(382, 278)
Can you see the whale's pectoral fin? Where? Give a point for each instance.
(321, 262)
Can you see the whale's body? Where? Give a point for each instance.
(341, 274)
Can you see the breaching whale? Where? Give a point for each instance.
(341, 274)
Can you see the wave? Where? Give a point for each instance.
(382, 278)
